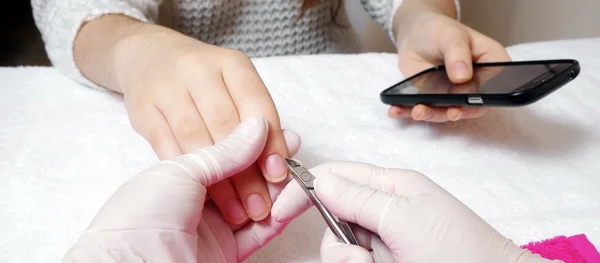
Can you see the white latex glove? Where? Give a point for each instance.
(160, 215)
(417, 220)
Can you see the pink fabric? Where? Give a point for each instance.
(574, 249)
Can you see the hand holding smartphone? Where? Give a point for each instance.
(500, 84)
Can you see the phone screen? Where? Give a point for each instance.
(486, 80)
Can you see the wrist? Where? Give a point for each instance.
(95, 47)
(142, 48)
(130, 50)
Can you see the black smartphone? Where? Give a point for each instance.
(498, 84)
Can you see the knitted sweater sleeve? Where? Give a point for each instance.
(59, 22)
(382, 11)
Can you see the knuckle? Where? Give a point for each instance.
(237, 55)
(236, 58)
(495, 44)
(139, 114)
(162, 92)
(186, 59)
(452, 35)
(367, 194)
(380, 179)
(156, 134)
(192, 61)
(258, 240)
(229, 153)
(188, 128)
(224, 125)
(278, 231)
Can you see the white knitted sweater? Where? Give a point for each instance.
(257, 27)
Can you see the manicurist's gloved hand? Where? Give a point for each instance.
(417, 220)
(160, 215)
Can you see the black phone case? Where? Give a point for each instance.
(489, 100)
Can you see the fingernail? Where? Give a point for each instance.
(236, 211)
(257, 207)
(426, 115)
(461, 70)
(394, 112)
(458, 116)
(276, 169)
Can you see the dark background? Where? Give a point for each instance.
(20, 41)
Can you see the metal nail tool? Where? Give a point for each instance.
(339, 227)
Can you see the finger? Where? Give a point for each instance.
(398, 111)
(362, 235)
(150, 123)
(292, 210)
(475, 112)
(429, 114)
(275, 190)
(133, 201)
(291, 203)
(215, 163)
(251, 134)
(455, 46)
(221, 117)
(235, 153)
(145, 201)
(292, 142)
(398, 181)
(332, 251)
(353, 202)
(185, 121)
(228, 201)
(256, 235)
(210, 240)
(251, 188)
(458, 113)
(380, 251)
(214, 104)
(252, 98)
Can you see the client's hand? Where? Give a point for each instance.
(160, 214)
(182, 94)
(416, 220)
(432, 39)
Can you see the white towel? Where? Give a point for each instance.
(531, 172)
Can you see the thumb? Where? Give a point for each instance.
(456, 50)
(155, 199)
(332, 251)
(353, 202)
(230, 156)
